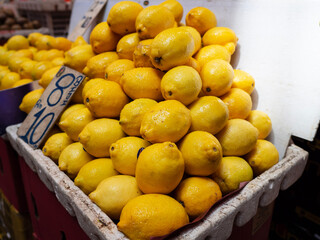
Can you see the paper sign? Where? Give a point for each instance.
(87, 19)
(53, 101)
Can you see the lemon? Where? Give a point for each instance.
(5, 57)
(33, 37)
(231, 172)
(192, 62)
(216, 77)
(132, 113)
(144, 82)
(182, 83)
(127, 44)
(27, 53)
(40, 55)
(141, 54)
(77, 96)
(151, 215)
(211, 52)
(89, 83)
(59, 61)
(102, 39)
(201, 18)
(55, 145)
(243, 80)
(175, 7)
(96, 65)
(93, 172)
(261, 121)
(26, 69)
(113, 193)
(30, 99)
(3, 73)
(98, 135)
(197, 195)
(62, 43)
(201, 152)
(45, 42)
(171, 47)
(220, 36)
(159, 168)
(48, 75)
(123, 154)
(2, 68)
(238, 137)
(169, 120)
(149, 23)
(116, 69)
(122, 17)
(8, 80)
(70, 109)
(73, 158)
(14, 63)
(196, 38)
(22, 82)
(39, 68)
(53, 53)
(208, 113)
(17, 42)
(33, 50)
(79, 41)
(239, 103)
(77, 57)
(105, 99)
(75, 121)
(262, 157)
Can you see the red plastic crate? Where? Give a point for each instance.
(10, 177)
(50, 220)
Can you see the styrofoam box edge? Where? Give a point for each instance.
(218, 224)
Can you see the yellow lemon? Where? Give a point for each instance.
(75, 122)
(30, 99)
(96, 65)
(102, 39)
(73, 158)
(141, 54)
(33, 37)
(14, 63)
(22, 82)
(79, 41)
(192, 62)
(23, 53)
(116, 69)
(55, 145)
(89, 83)
(59, 61)
(262, 157)
(261, 121)
(45, 42)
(196, 38)
(238, 102)
(8, 80)
(127, 45)
(40, 55)
(113, 193)
(238, 137)
(124, 154)
(26, 69)
(220, 36)
(47, 76)
(78, 57)
(17, 42)
(105, 99)
(132, 113)
(62, 43)
(231, 172)
(151, 215)
(2, 68)
(197, 195)
(182, 83)
(144, 82)
(169, 120)
(98, 136)
(33, 50)
(5, 57)
(208, 113)
(39, 68)
(201, 152)
(160, 168)
(77, 96)
(122, 17)
(93, 172)
(243, 80)
(175, 7)
(3, 73)
(70, 109)
(216, 77)
(149, 23)
(171, 47)
(208, 53)
(201, 18)
(53, 53)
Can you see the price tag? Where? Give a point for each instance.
(53, 101)
(87, 19)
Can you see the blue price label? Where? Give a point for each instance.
(48, 108)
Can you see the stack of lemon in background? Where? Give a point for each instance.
(162, 127)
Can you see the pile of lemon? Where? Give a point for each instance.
(163, 126)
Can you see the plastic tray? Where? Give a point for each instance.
(218, 224)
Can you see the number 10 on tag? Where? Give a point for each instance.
(48, 108)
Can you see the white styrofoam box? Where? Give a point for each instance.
(278, 45)
(238, 209)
